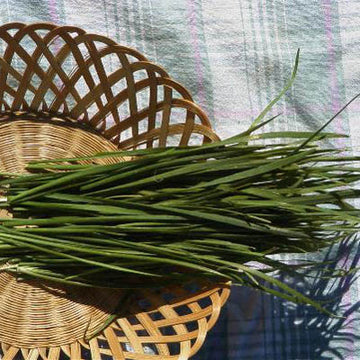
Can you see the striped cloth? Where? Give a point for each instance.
(234, 56)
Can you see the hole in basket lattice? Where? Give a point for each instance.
(99, 45)
(131, 59)
(119, 332)
(12, 32)
(143, 125)
(167, 331)
(142, 332)
(85, 353)
(205, 302)
(28, 97)
(192, 326)
(42, 32)
(12, 82)
(70, 101)
(3, 46)
(49, 97)
(196, 139)
(100, 126)
(108, 62)
(133, 320)
(127, 347)
(174, 348)
(182, 310)
(82, 87)
(56, 45)
(141, 146)
(61, 108)
(103, 99)
(43, 62)
(178, 115)
(29, 44)
(92, 110)
(18, 63)
(140, 75)
(109, 121)
(106, 357)
(84, 50)
(123, 110)
(157, 315)
(158, 119)
(35, 81)
(103, 344)
(143, 98)
(94, 75)
(58, 82)
(173, 140)
(160, 93)
(8, 99)
(115, 62)
(69, 64)
(127, 134)
(150, 349)
(119, 86)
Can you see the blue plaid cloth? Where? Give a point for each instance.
(234, 57)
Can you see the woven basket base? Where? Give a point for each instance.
(51, 322)
(155, 328)
(48, 316)
(33, 315)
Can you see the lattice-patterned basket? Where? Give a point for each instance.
(66, 93)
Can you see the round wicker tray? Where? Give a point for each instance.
(50, 75)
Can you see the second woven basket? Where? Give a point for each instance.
(66, 93)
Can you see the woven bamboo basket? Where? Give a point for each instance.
(67, 93)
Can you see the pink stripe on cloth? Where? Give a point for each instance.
(338, 127)
(331, 52)
(197, 54)
(54, 15)
(55, 18)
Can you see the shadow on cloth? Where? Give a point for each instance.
(258, 326)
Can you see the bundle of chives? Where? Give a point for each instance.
(174, 214)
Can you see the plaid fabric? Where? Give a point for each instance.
(234, 56)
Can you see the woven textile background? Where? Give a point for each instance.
(234, 56)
